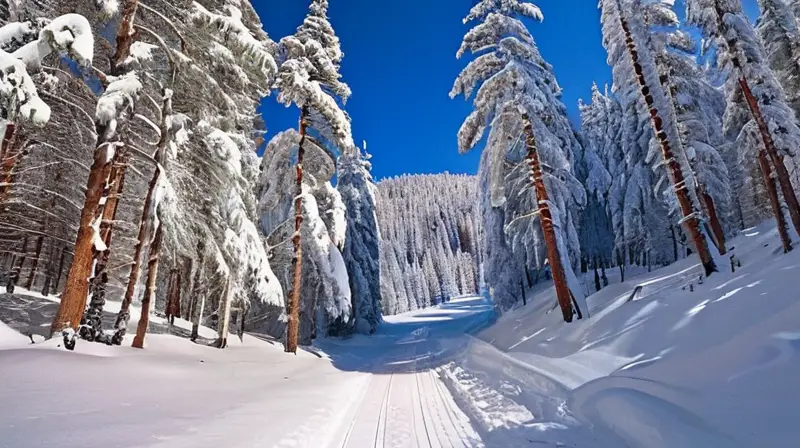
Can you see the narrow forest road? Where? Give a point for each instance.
(404, 403)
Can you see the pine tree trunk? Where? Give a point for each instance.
(34, 263)
(714, 222)
(150, 291)
(597, 286)
(16, 269)
(173, 308)
(293, 307)
(124, 315)
(772, 192)
(73, 300)
(784, 181)
(198, 317)
(197, 314)
(224, 314)
(8, 139)
(692, 223)
(60, 270)
(99, 282)
(546, 218)
(190, 291)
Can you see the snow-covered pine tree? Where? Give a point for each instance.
(625, 36)
(209, 166)
(326, 308)
(698, 108)
(511, 79)
(596, 235)
(739, 52)
(777, 28)
(362, 243)
(308, 77)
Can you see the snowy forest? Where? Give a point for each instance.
(430, 240)
(121, 181)
(148, 201)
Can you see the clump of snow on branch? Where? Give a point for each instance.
(118, 98)
(18, 92)
(70, 34)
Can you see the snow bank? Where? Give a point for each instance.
(667, 368)
(10, 338)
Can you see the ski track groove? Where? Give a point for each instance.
(439, 389)
(383, 418)
(423, 398)
(358, 413)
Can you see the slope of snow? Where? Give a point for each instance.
(11, 338)
(675, 367)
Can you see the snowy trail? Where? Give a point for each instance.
(405, 404)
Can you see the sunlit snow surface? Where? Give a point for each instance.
(712, 367)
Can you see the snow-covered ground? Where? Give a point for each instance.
(713, 365)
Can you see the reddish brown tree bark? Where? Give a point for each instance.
(713, 219)
(674, 170)
(772, 192)
(150, 291)
(546, 218)
(73, 299)
(293, 307)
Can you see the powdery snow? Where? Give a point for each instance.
(664, 367)
(675, 367)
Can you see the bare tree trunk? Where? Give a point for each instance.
(150, 291)
(772, 192)
(546, 218)
(34, 263)
(293, 307)
(197, 314)
(674, 170)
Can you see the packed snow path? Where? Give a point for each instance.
(405, 404)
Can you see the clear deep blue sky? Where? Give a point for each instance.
(400, 63)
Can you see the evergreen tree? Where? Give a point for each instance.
(755, 100)
(625, 37)
(362, 243)
(510, 79)
(308, 77)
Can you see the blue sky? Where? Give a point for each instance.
(400, 63)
